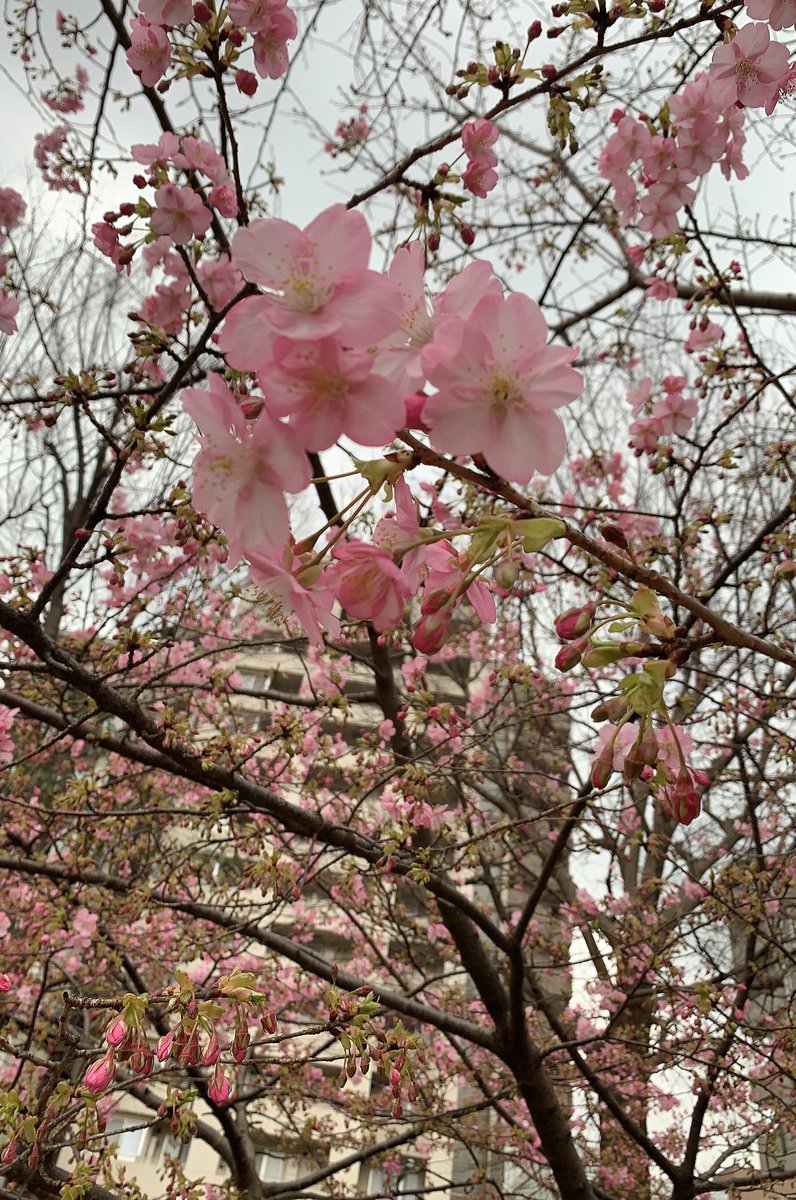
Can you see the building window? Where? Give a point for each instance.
(374, 1182)
(271, 1166)
(128, 1141)
(162, 1143)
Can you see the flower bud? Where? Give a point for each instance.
(246, 82)
(570, 655)
(164, 1046)
(467, 234)
(432, 631)
(575, 621)
(603, 767)
(101, 1074)
(219, 1090)
(201, 12)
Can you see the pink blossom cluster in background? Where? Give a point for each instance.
(12, 210)
(68, 96)
(652, 171)
(270, 23)
(349, 134)
(671, 414)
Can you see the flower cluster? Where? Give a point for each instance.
(339, 350)
(701, 126)
(12, 210)
(630, 742)
(671, 413)
(67, 97)
(349, 134)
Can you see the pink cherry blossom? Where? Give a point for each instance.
(270, 45)
(477, 138)
(222, 197)
(498, 384)
(445, 583)
(166, 307)
(400, 535)
(164, 150)
(179, 214)
(368, 584)
(220, 280)
(328, 391)
(243, 468)
(9, 307)
(779, 14)
(645, 435)
(748, 68)
(166, 12)
(702, 338)
(310, 602)
(199, 155)
(785, 86)
(659, 289)
(7, 716)
(400, 355)
(479, 177)
(253, 15)
(675, 413)
(149, 55)
(316, 282)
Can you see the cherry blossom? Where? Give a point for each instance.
(290, 584)
(498, 386)
(747, 69)
(9, 307)
(150, 51)
(166, 12)
(328, 391)
(316, 282)
(368, 583)
(179, 214)
(400, 355)
(243, 468)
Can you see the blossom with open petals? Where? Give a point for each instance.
(498, 386)
(243, 469)
(746, 70)
(315, 281)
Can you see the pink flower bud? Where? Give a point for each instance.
(575, 621)
(117, 1032)
(5, 982)
(164, 1046)
(246, 82)
(603, 767)
(432, 631)
(570, 655)
(101, 1074)
(467, 234)
(219, 1090)
(212, 1051)
(201, 12)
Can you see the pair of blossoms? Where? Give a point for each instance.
(479, 176)
(707, 118)
(271, 24)
(338, 351)
(671, 414)
(12, 210)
